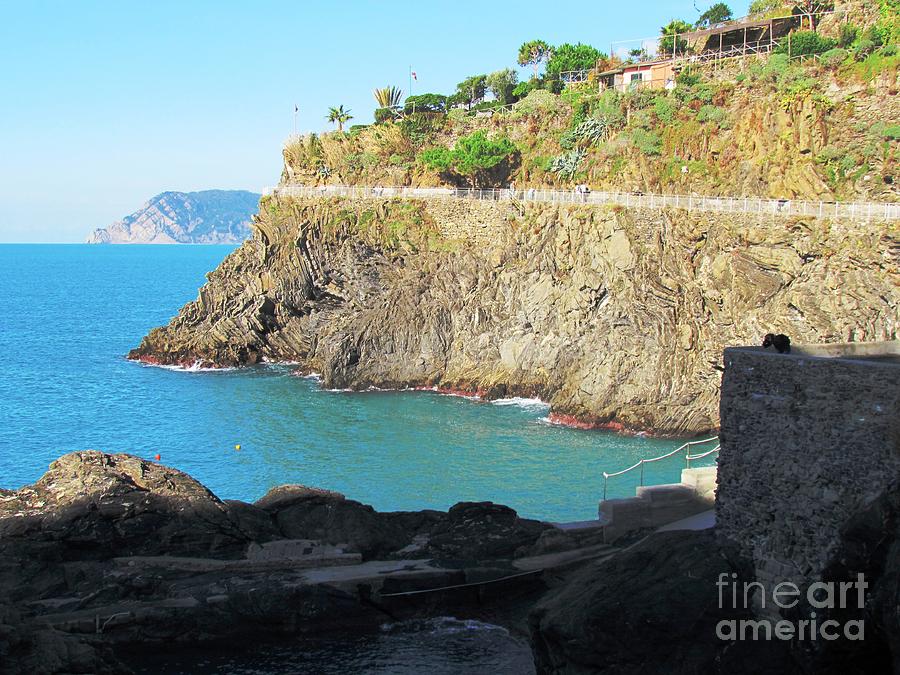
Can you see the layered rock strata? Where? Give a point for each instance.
(616, 316)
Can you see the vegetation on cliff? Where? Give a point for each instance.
(783, 127)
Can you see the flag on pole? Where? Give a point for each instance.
(414, 76)
(296, 108)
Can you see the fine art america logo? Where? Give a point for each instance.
(821, 595)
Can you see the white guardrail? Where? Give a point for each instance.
(775, 207)
(688, 457)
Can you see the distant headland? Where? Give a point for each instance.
(205, 217)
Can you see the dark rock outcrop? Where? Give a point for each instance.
(650, 609)
(110, 549)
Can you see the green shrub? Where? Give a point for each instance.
(642, 119)
(522, 89)
(471, 157)
(538, 100)
(805, 43)
(383, 115)
(648, 142)
(863, 48)
(640, 99)
(665, 110)
(356, 129)
(607, 108)
(889, 132)
(765, 7)
(712, 113)
(834, 57)
(888, 25)
(888, 50)
(847, 35)
(688, 77)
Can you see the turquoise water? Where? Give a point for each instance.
(71, 312)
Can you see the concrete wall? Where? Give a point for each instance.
(807, 439)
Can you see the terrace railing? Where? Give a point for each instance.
(688, 458)
(773, 207)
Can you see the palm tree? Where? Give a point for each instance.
(339, 116)
(388, 97)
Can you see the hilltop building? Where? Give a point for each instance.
(726, 40)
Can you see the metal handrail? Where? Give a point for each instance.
(688, 458)
(773, 207)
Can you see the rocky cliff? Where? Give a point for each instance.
(616, 317)
(207, 217)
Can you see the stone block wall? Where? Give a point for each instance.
(807, 440)
(479, 222)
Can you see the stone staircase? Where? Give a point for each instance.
(658, 505)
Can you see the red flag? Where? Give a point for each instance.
(414, 76)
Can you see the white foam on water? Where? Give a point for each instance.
(522, 402)
(196, 367)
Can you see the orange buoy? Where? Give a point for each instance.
(157, 456)
(237, 447)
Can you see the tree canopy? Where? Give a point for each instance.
(532, 53)
(425, 103)
(812, 10)
(573, 57)
(669, 32)
(470, 91)
(718, 13)
(502, 83)
(470, 157)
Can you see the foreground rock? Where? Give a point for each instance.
(617, 317)
(655, 608)
(652, 609)
(110, 549)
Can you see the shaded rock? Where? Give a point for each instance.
(483, 530)
(869, 545)
(651, 609)
(300, 512)
(41, 651)
(469, 530)
(99, 505)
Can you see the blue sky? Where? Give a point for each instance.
(105, 104)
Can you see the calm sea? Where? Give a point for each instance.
(71, 312)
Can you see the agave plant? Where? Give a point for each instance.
(566, 165)
(339, 116)
(388, 97)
